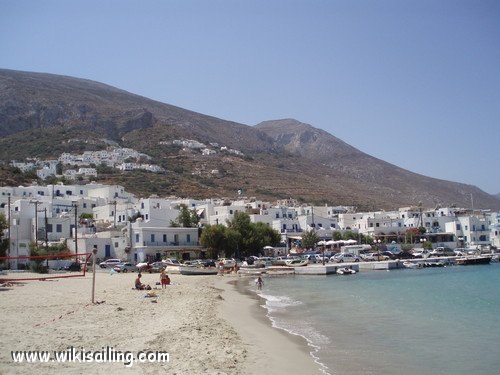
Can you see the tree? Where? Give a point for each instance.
(336, 236)
(4, 242)
(186, 219)
(213, 237)
(309, 238)
(241, 237)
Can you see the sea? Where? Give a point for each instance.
(405, 321)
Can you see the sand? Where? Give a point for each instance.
(202, 322)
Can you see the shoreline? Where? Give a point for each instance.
(270, 349)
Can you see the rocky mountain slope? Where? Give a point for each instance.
(43, 115)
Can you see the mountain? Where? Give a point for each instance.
(43, 115)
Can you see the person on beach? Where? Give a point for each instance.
(164, 279)
(259, 282)
(139, 285)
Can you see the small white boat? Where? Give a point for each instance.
(296, 262)
(345, 271)
(194, 270)
(411, 265)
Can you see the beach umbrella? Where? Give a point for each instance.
(321, 243)
(351, 241)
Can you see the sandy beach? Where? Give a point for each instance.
(204, 324)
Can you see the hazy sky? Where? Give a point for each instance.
(414, 83)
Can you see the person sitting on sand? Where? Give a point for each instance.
(139, 285)
(164, 279)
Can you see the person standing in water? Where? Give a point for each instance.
(259, 282)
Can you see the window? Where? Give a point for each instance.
(457, 227)
(116, 244)
(49, 228)
(137, 238)
(58, 228)
(188, 238)
(152, 238)
(165, 238)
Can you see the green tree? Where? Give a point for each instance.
(309, 238)
(336, 236)
(4, 242)
(241, 237)
(186, 219)
(213, 237)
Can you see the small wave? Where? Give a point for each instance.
(278, 302)
(315, 340)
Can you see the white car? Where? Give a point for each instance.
(345, 257)
(110, 263)
(420, 253)
(125, 267)
(371, 257)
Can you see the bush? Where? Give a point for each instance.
(39, 268)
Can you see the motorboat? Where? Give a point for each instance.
(195, 270)
(296, 262)
(345, 271)
(411, 265)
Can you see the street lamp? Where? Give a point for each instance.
(377, 244)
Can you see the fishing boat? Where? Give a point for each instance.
(473, 259)
(194, 270)
(296, 262)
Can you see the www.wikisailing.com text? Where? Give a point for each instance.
(106, 355)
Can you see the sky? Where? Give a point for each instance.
(415, 83)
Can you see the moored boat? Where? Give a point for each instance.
(345, 271)
(412, 265)
(194, 270)
(473, 259)
(296, 262)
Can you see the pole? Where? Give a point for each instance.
(76, 228)
(94, 253)
(8, 233)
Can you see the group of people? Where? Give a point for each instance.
(164, 281)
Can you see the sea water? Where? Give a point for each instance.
(422, 321)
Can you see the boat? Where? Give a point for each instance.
(345, 271)
(194, 270)
(296, 262)
(411, 265)
(251, 271)
(473, 259)
(226, 262)
(280, 270)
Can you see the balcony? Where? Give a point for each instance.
(168, 244)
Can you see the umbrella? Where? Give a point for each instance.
(351, 241)
(322, 243)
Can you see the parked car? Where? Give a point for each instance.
(345, 257)
(74, 266)
(420, 253)
(370, 257)
(391, 255)
(156, 267)
(442, 251)
(110, 263)
(125, 267)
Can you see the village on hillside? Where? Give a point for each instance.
(123, 159)
(134, 229)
